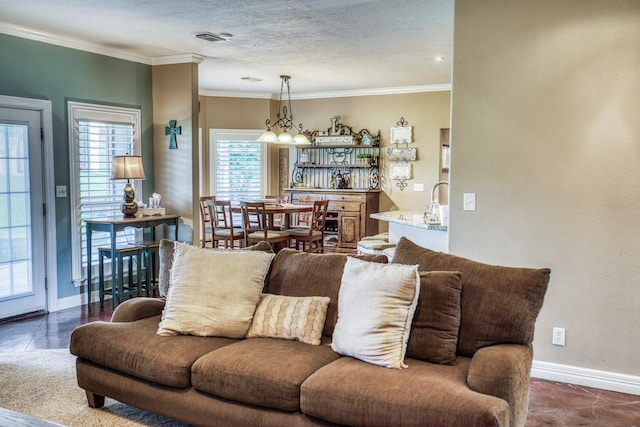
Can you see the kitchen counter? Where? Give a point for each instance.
(412, 225)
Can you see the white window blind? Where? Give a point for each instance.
(97, 134)
(240, 169)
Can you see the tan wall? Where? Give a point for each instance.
(427, 112)
(546, 130)
(175, 97)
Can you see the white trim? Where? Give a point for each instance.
(41, 36)
(604, 380)
(46, 122)
(237, 94)
(178, 59)
(334, 94)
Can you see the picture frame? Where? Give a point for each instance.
(402, 135)
(400, 171)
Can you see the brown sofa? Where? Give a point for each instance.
(469, 354)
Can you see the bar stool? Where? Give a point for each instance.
(150, 251)
(131, 288)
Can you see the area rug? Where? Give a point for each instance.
(42, 384)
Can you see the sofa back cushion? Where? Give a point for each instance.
(302, 274)
(498, 305)
(435, 326)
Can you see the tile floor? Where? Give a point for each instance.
(551, 403)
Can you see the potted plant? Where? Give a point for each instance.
(364, 158)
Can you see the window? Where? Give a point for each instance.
(96, 134)
(240, 165)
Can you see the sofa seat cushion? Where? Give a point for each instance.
(352, 392)
(134, 348)
(265, 372)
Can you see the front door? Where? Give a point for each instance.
(22, 230)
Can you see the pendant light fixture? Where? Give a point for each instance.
(284, 121)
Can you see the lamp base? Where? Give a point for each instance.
(130, 206)
(129, 209)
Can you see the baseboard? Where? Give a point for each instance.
(76, 301)
(586, 377)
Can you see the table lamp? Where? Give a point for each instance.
(128, 167)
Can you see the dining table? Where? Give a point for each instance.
(272, 209)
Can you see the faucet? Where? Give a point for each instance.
(433, 213)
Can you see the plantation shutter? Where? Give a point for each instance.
(98, 133)
(238, 170)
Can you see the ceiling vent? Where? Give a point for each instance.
(211, 37)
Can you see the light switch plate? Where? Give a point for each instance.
(469, 201)
(61, 191)
(418, 187)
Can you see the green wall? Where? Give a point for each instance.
(38, 70)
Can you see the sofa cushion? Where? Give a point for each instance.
(302, 274)
(213, 293)
(260, 371)
(166, 255)
(351, 392)
(292, 318)
(499, 304)
(376, 304)
(135, 349)
(434, 330)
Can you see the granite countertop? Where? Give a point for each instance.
(412, 218)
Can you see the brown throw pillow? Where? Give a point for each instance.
(301, 274)
(167, 248)
(434, 331)
(499, 304)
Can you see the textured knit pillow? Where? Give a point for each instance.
(376, 304)
(167, 247)
(291, 318)
(213, 293)
(434, 330)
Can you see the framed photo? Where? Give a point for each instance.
(402, 135)
(400, 171)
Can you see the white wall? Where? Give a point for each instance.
(546, 131)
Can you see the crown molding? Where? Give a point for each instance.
(40, 36)
(178, 59)
(334, 94)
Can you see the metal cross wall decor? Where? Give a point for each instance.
(173, 130)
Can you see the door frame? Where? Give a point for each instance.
(48, 188)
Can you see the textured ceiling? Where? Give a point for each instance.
(325, 45)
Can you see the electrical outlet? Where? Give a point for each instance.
(558, 337)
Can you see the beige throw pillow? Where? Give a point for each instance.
(213, 293)
(291, 318)
(376, 304)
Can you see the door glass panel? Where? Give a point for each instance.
(15, 232)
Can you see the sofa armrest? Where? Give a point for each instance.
(137, 308)
(503, 371)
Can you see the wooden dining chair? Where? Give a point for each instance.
(205, 221)
(254, 218)
(303, 219)
(312, 237)
(223, 228)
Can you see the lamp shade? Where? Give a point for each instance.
(127, 167)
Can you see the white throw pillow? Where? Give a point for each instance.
(376, 304)
(213, 293)
(291, 318)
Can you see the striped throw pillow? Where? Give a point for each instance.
(291, 318)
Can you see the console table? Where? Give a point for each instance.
(114, 224)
